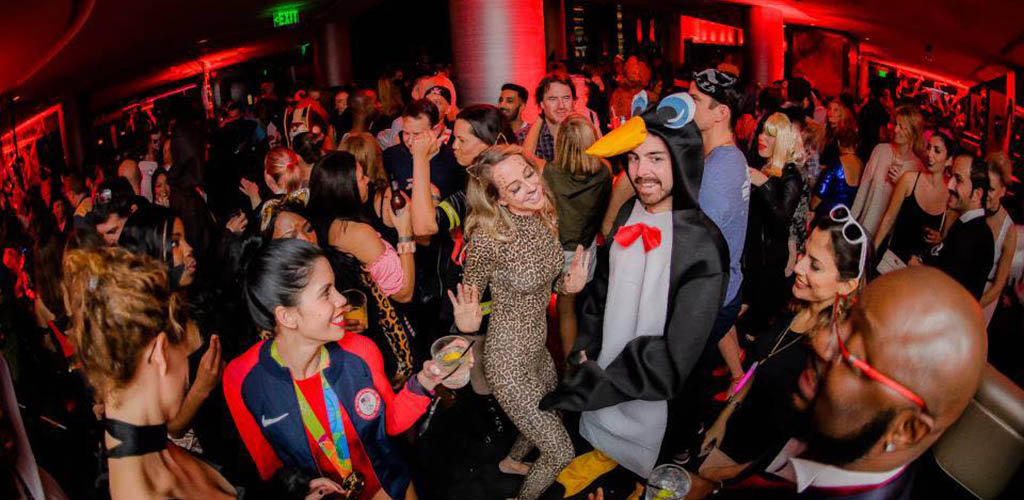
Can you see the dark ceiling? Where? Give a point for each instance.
(32, 31)
(124, 39)
(970, 40)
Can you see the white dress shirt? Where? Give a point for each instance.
(806, 473)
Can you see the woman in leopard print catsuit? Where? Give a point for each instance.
(513, 248)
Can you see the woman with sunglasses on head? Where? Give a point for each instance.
(514, 249)
(918, 202)
(128, 327)
(313, 399)
(386, 325)
(338, 189)
(829, 274)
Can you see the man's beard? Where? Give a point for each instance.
(958, 204)
(649, 201)
(840, 451)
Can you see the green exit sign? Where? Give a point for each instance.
(286, 17)
(883, 73)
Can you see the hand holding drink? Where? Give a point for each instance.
(668, 482)
(355, 316)
(452, 354)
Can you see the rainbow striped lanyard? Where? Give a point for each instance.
(336, 449)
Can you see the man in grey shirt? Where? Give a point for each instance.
(724, 189)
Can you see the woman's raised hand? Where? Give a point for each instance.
(466, 304)
(576, 278)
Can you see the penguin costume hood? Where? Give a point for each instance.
(672, 121)
(653, 368)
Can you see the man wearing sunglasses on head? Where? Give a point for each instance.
(885, 383)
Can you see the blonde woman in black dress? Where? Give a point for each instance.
(514, 248)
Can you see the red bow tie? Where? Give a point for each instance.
(628, 234)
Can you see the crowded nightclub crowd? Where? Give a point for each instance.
(677, 282)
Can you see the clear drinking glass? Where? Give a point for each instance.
(450, 355)
(668, 482)
(356, 306)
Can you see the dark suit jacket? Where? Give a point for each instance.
(967, 254)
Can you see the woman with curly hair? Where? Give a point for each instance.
(128, 328)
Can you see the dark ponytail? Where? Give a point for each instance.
(275, 276)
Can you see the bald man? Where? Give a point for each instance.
(129, 169)
(912, 353)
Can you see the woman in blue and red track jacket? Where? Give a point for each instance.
(315, 397)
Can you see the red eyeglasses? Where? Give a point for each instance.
(870, 372)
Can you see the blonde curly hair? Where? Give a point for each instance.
(486, 214)
(118, 302)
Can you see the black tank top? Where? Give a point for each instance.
(908, 231)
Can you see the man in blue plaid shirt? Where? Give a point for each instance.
(556, 97)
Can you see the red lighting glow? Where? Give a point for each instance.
(922, 73)
(147, 103)
(34, 120)
(188, 69)
(701, 31)
(500, 41)
(28, 132)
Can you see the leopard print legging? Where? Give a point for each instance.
(517, 364)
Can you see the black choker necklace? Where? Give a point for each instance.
(135, 440)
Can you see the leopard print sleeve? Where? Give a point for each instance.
(481, 260)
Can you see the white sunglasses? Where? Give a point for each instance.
(852, 231)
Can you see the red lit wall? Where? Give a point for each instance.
(822, 58)
(701, 31)
(768, 47)
(494, 42)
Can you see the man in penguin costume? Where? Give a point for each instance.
(645, 318)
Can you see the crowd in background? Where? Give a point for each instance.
(193, 286)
